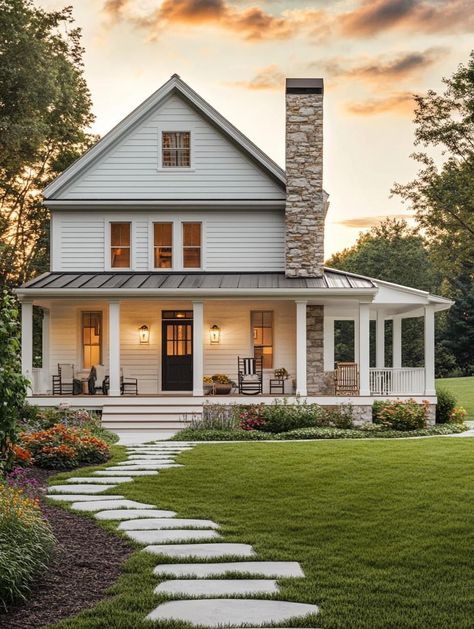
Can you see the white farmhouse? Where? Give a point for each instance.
(179, 250)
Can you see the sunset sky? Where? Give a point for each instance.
(373, 54)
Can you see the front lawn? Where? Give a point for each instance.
(463, 389)
(383, 530)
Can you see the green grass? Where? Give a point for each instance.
(384, 530)
(463, 389)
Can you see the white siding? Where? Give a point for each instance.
(143, 361)
(232, 240)
(131, 168)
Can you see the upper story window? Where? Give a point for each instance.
(176, 149)
(163, 245)
(262, 330)
(192, 238)
(120, 245)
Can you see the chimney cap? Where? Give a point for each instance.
(304, 86)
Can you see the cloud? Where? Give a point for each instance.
(400, 103)
(383, 69)
(251, 23)
(365, 222)
(372, 17)
(269, 78)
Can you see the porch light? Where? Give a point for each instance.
(144, 334)
(215, 334)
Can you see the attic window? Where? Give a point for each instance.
(176, 149)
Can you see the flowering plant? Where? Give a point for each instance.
(281, 374)
(458, 415)
(21, 456)
(398, 415)
(221, 378)
(250, 417)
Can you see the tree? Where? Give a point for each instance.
(442, 196)
(457, 333)
(394, 252)
(45, 109)
(13, 386)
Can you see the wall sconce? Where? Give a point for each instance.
(144, 334)
(215, 334)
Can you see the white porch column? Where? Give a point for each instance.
(198, 347)
(45, 351)
(356, 340)
(114, 347)
(397, 342)
(380, 341)
(27, 341)
(364, 344)
(301, 336)
(430, 351)
(328, 343)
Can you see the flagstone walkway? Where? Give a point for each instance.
(196, 595)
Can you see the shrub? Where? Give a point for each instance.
(188, 434)
(401, 415)
(282, 416)
(340, 417)
(251, 417)
(457, 415)
(26, 543)
(215, 417)
(64, 448)
(445, 405)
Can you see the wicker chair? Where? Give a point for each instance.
(346, 379)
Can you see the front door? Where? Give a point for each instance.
(177, 355)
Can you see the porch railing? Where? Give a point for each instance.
(404, 381)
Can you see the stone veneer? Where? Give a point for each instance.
(305, 208)
(315, 377)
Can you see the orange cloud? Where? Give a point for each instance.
(365, 222)
(269, 78)
(401, 103)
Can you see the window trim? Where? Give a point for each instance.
(154, 246)
(252, 343)
(108, 245)
(201, 246)
(175, 169)
(81, 337)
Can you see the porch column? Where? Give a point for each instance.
(114, 348)
(27, 341)
(328, 343)
(198, 347)
(45, 350)
(364, 344)
(430, 351)
(397, 342)
(380, 341)
(301, 335)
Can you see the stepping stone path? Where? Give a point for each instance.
(201, 593)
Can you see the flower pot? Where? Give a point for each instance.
(208, 389)
(222, 389)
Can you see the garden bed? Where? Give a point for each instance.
(87, 561)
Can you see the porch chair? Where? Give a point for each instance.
(346, 379)
(97, 380)
(250, 375)
(64, 382)
(127, 385)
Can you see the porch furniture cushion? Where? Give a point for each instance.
(64, 382)
(347, 379)
(250, 372)
(96, 380)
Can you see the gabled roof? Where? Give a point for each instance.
(172, 86)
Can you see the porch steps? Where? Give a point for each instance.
(150, 416)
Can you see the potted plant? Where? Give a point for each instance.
(281, 374)
(208, 385)
(222, 384)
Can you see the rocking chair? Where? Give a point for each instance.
(250, 375)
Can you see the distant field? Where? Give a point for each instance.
(463, 389)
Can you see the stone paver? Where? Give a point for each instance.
(101, 481)
(217, 587)
(113, 473)
(143, 466)
(147, 459)
(151, 457)
(127, 514)
(166, 536)
(201, 551)
(230, 612)
(80, 489)
(275, 569)
(81, 497)
(99, 505)
(167, 523)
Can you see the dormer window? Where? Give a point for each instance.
(176, 149)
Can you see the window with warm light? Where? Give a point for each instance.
(91, 339)
(176, 149)
(120, 245)
(163, 245)
(262, 332)
(192, 237)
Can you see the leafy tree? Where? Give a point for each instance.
(443, 195)
(13, 386)
(45, 109)
(457, 333)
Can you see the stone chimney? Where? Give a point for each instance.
(305, 204)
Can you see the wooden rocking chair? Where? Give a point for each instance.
(347, 379)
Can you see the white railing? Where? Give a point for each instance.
(404, 381)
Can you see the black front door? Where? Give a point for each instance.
(177, 358)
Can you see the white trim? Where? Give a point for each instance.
(198, 348)
(27, 341)
(328, 345)
(174, 84)
(114, 347)
(429, 334)
(364, 353)
(380, 340)
(185, 204)
(397, 343)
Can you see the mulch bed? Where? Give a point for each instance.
(87, 562)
